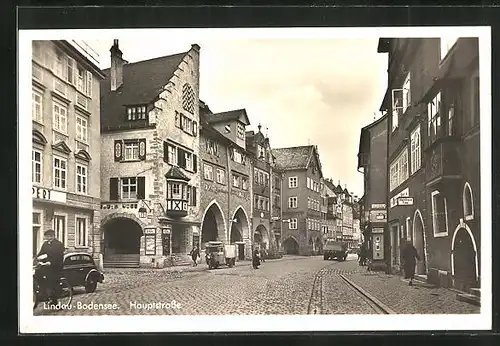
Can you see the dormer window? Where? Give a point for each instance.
(136, 113)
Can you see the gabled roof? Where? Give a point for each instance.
(143, 81)
(238, 114)
(293, 157)
(339, 189)
(330, 185)
(176, 173)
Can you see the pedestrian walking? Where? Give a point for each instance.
(263, 255)
(363, 254)
(195, 253)
(410, 257)
(256, 259)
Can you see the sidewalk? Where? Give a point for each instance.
(421, 298)
(202, 266)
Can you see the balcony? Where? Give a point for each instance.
(443, 160)
(177, 207)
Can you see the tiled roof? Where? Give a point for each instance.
(294, 157)
(176, 173)
(143, 81)
(237, 114)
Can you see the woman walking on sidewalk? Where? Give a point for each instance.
(195, 253)
(410, 257)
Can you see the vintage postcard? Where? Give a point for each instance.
(301, 179)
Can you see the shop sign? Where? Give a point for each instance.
(378, 216)
(378, 206)
(377, 230)
(394, 199)
(405, 201)
(49, 195)
(150, 231)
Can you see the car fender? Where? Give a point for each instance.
(95, 273)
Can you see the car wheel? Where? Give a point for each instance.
(90, 287)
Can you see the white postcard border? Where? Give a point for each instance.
(86, 324)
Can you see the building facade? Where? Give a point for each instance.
(266, 189)
(150, 179)
(372, 162)
(329, 211)
(433, 156)
(301, 199)
(226, 189)
(66, 147)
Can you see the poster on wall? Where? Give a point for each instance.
(150, 241)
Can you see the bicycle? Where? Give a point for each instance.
(64, 289)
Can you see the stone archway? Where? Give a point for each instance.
(419, 241)
(213, 225)
(122, 240)
(261, 237)
(291, 246)
(239, 230)
(464, 257)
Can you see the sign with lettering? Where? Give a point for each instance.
(394, 199)
(150, 244)
(405, 201)
(150, 231)
(378, 216)
(49, 195)
(378, 206)
(377, 230)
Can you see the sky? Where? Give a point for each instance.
(318, 91)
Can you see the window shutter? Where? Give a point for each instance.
(195, 163)
(231, 153)
(141, 188)
(142, 149)
(89, 84)
(193, 195)
(181, 119)
(165, 152)
(181, 158)
(113, 189)
(118, 150)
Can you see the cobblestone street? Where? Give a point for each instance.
(292, 285)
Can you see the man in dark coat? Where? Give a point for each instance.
(410, 257)
(54, 250)
(362, 255)
(195, 253)
(256, 259)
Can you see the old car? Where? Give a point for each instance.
(217, 254)
(335, 250)
(80, 270)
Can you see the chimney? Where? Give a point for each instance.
(116, 66)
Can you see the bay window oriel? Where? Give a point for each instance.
(434, 118)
